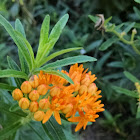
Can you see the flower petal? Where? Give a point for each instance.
(57, 117)
(47, 116)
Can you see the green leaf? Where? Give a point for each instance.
(116, 64)
(131, 77)
(137, 11)
(20, 44)
(19, 27)
(126, 91)
(54, 130)
(108, 43)
(9, 130)
(93, 18)
(54, 36)
(5, 108)
(45, 59)
(107, 20)
(7, 87)
(68, 61)
(21, 37)
(102, 60)
(12, 73)
(12, 65)
(58, 73)
(138, 112)
(43, 36)
(14, 107)
(138, 1)
(36, 131)
(129, 27)
(23, 63)
(93, 45)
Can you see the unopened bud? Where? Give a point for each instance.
(42, 89)
(34, 81)
(55, 91)
(24, 103)
(85, 80)
(123, 34)
(34, 95)
(39, 115)
(44, 103)
(67, 109)
(17, 94)
(92, 88)
(134, 31)
(33, 106)
(77, 86)
(83, 89)
(26, 87)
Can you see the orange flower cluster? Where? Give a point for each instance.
(46, 95)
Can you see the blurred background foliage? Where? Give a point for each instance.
(119, 120)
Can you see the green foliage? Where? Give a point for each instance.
(53, 130)
(120, 102)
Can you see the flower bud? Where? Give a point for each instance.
(26, 87)
(83, 89)
(85, 80)
(33, 106)
(55, 91)
(42, 89)
(34, 81)
(24, 103)
(34, 95)
(39, 115)
(92, 88)
(17, 94)
(44, 103)
(76, 86)
(67, 109)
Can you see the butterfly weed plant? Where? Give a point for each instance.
(43, 93)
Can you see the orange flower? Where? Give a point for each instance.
(53, 95)
(54, 108)
(83, 119)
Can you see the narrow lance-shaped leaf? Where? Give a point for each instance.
(138, 1)
(54, 35)
(93, 18)
(69, 61)
(12, 73)
(129, 27)
(36, 131)
(5, 109)
(12, 65)
(131, 77)
(14, 107)
(20, 36)
(125, 91)
(138, 111)
(43, 36)
(58, 73)
(19, 27)
(45, 59)
(23, 64)
(108, 43)
(7, 87)
(54, 130)
(19, 42)
(9, 130)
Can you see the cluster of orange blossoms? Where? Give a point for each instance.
(46, 95)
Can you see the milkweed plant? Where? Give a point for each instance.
(42, 92)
